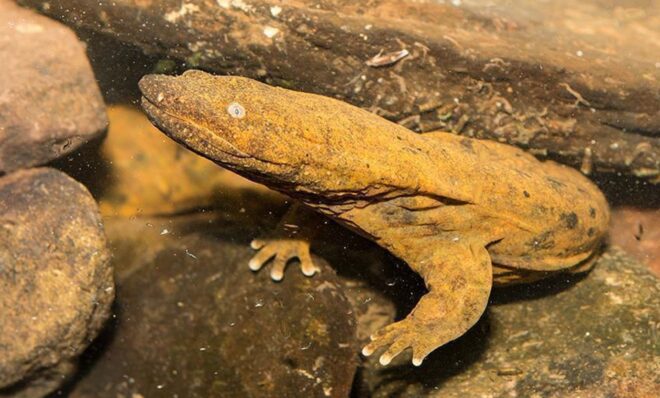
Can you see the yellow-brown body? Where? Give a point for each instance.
(449, 206)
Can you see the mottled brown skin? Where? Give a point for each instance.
(447, 205)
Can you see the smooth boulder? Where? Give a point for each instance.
(55, 278)
(50, 103)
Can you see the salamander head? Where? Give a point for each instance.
(293, 142)
(229, 120)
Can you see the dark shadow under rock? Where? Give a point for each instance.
(193, 321)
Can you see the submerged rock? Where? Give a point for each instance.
(637, 231)
(595, 337)
(193, 321)
(49, 101)
(55, 279)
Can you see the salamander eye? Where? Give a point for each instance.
(236, 110)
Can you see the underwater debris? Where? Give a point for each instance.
(387, 59)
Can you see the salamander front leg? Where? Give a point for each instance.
(291, 241)
(281, 252)
(459, 279)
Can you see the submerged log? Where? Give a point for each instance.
(577, 82)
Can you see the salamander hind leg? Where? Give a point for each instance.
(459, 279)
(281, 252)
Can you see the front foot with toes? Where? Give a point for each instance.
(281, 252)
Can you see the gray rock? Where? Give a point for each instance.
(193, 321)
(55, 279)
(595, 337)
(49, 101)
